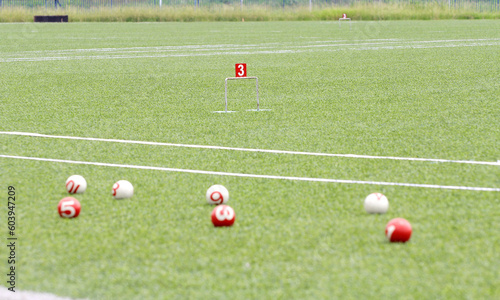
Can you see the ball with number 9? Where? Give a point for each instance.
(69, 207)
(223, 215)
(217, 194)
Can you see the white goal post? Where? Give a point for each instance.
(256, 89)
(345, 18)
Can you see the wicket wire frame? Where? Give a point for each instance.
(256, 87)
(340, 19)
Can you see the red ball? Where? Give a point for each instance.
(223, 215)
(69, 207)
(398, 230)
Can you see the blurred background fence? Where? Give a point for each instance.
(479, 5)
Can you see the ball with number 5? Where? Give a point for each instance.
(76, 184)
(122, 189)
(223, 215)
(69, 207)
(217, 194)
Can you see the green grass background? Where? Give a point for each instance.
(290, 239)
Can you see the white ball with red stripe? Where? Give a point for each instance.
(76, 184)
(122, 189)
(344, 16)
(376, 203)
(217, 194)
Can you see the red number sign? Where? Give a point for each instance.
(241, 70)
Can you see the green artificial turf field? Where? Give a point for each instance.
(405, 89)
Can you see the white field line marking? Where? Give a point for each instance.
(310, 179)
(62, 58)
(245, 46)
(209, 50)
(435, 160)
(55, 58)
(28, 295)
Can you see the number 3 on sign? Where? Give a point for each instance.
(241, 70)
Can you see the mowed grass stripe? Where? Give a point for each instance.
(361, 156)
(327, 180)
